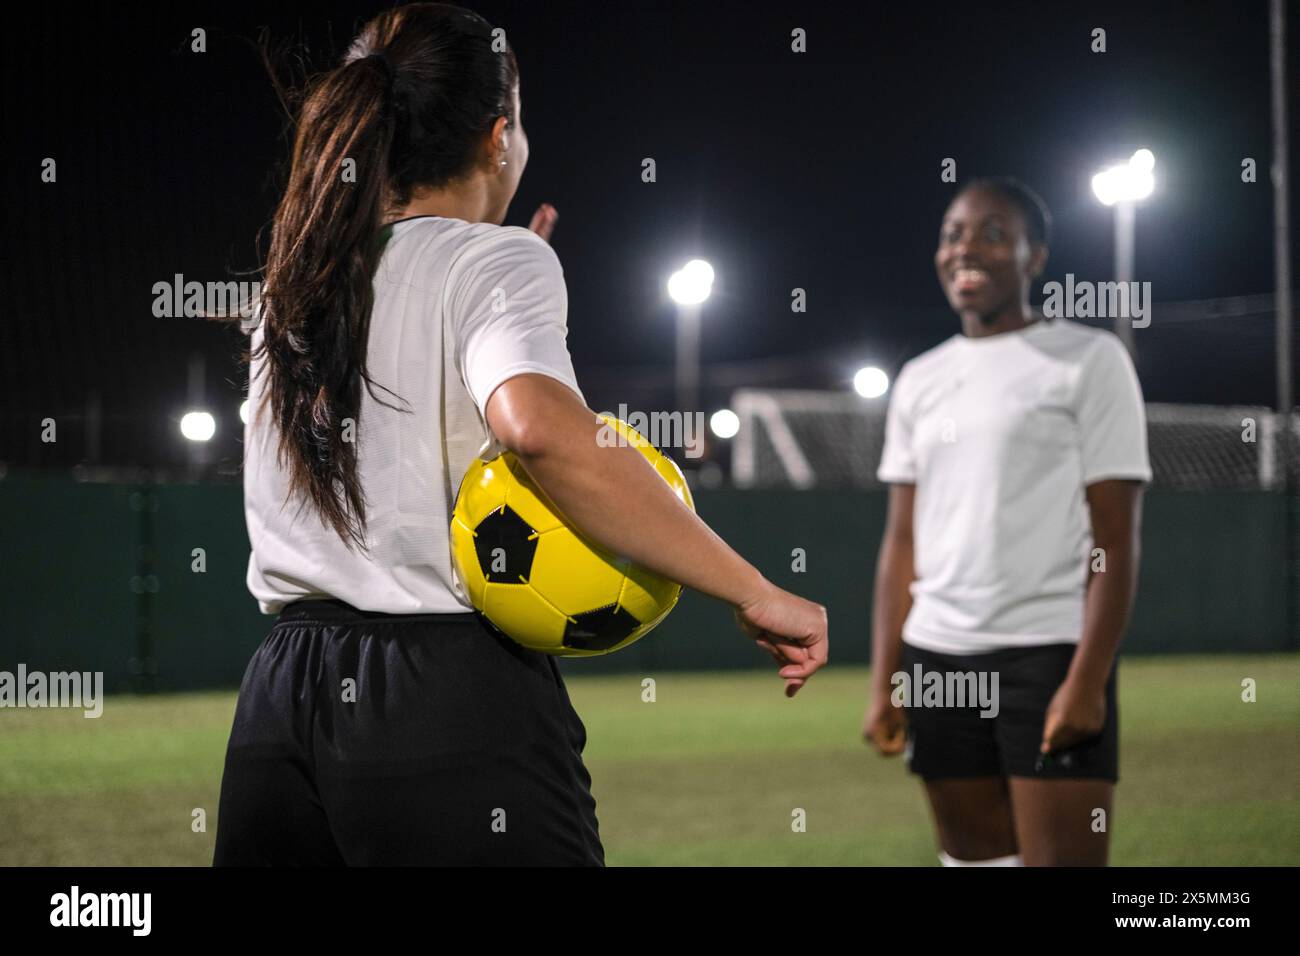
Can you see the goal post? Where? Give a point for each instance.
(833, 439)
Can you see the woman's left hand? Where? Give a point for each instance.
(1074, 715)
(544, 221)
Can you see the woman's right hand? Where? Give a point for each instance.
(790, 628)
(885, 726)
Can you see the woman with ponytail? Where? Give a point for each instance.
(403, 331)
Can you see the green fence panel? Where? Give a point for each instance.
(206, 623)
(102, 577)
(67, 565)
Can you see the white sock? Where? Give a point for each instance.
(1013, 860)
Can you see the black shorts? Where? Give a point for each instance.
(372, 739)
(949, 741)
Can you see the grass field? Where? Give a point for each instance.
(706, 775)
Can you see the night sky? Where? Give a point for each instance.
(818, 170)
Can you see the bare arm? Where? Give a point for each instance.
(555, 437)
(1116, 511)
(895, 572)
(615, 497)
(1078, 709)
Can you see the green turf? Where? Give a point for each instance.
(709, 773)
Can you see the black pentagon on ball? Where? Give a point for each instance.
(505, 530)
(599, 630)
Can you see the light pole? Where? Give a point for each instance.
(689, 287)
(1123, 187)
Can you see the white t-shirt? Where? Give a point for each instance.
(1000, 435)
(459, 308)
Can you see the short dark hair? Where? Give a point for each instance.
(1038, 220)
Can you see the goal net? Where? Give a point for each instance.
(824, 439)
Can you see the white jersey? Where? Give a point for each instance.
(459, 308)
(1001, 435)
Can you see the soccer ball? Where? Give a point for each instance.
(536, 578)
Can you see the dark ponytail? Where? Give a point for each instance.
(410, 106)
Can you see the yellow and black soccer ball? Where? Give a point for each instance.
(537, 579)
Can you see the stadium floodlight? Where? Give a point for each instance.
(1127, 182)
(725, 423)
(1143, 160)
(1123, 187)
(692, 283)
(243, 411)
(689, 287)
(870, 382)
(198, 426)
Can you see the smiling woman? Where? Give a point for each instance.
(992, 244)
(1014, 451)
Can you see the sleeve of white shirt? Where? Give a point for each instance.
(1111, 415)
(510, 307)
(898, 460)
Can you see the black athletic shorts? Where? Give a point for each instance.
(950, 741)
(373, 739)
